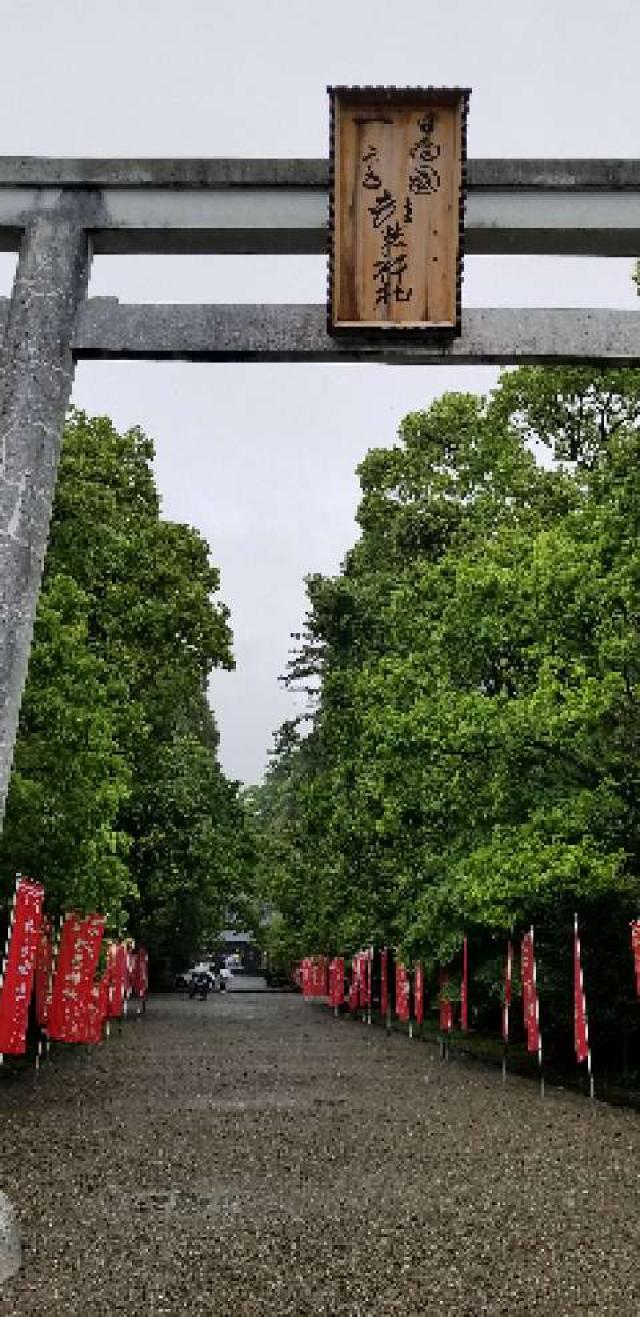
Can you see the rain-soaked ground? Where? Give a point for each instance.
(252, 1155)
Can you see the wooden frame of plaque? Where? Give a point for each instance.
(396, 209)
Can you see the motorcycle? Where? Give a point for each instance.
(200, 986)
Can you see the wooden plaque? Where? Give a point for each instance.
(397, 189)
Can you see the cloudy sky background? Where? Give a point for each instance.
(261, 458)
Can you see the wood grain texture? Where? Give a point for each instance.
(396, 207)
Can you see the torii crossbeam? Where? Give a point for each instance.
(58, 213)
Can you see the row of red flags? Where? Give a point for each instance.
(321, 977)
(71, 1005)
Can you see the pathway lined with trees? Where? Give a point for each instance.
(469, 761)
(117, 801)
(468, 767)
(252, 1155)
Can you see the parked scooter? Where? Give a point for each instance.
(200, 985)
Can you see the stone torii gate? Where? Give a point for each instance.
(58, 213)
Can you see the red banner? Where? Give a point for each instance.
(635, 946)
(131, 968)
(580, 1026)
(354, 986)
(508, 978)
(464, 988)
(363, 959)
(141, 973)
(336, 981)
(384, 981)
(117, 978)
(43, 974)
(418, 994)
(446, 1005)
(314, 971)
(530, 993)
(358, 975)
(19, 965)
(97, 1009)
(319, 976)
(78, 955)
(403, 993)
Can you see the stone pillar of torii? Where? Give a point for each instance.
(55, 213)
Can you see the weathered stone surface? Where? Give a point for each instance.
(514, 206)
(35, 384)
(10, 1250)
(499, 336)
(585, 206)
(38, 171)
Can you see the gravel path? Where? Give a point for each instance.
(250, 1155)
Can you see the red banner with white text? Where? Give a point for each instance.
(141, 973)
(364, 978)
(131, 968)
(116, 979)
(43, 976)
(354, 989)
(314, 976)
(445, 1004)
(403, 993)
(97, 1009)
(530, 993)
(581, 1029)
(506, 1005)
(354, 985)
(19, 967)
(418, 994)
(77, 960)
(384, 981)
(319, 976)
(336, 981)
(464, 988)
(367, 977)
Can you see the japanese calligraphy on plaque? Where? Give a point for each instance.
(398, 161)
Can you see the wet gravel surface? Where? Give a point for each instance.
(252, 1155)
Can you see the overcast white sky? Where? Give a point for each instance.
(261, 458)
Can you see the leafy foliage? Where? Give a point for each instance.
(117, 799)
(471, 762)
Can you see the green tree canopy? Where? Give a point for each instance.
(117, 800)
(471, 762)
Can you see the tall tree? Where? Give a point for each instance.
(472, 756)
(117, 799)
